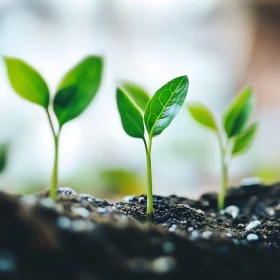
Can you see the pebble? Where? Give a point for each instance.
(270, 211)
(47, 202)
(253, 225)
(199, 211)
(250, 181)
(88, 197)
(81, 211)
(172, 228)
(206, 234)
(82, 225)
(64, 222)
(190, 229)
(101, 210)
(28, 200)
(66, 191)
(228, 234)
(252, 237)
(240, 226)
(163, 265)
(128, 198)
(232, 210)
(168, 247)
(194, 235)
(7, 262)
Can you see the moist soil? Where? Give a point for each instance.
(81, 237)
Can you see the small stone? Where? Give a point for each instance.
(128, 198)
(64, 222)
(163, 265)
(194, 235)
(168, 247)
(82, 225)
(67, 191)
(141, 200)
(232, 210)
(250, 181)
(206, 234)
(241, 226)
(253, 225)
(101, 210)
(228, 234)
(81, 211)
(190, 229)
(199, 211)
(47, 202)
(252, 237)
(172, 228)
(28, 200)
(7, 262)
(270, 211)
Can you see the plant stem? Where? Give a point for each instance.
(54, 182)
(149, 180)
(224, 180)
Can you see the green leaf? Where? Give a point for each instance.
(27, 82)
(202, 115)
(77, 89)
(239, 112)
(165, 105)
(243, 141)
(137, 94)
(132, 120)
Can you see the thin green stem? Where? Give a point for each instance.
(148, 149)
(54, 182)
(224, 180)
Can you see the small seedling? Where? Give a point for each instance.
(74, 93)
(136, 109)
(235, 138)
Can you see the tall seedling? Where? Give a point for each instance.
(73, 95)
(235, 137)
(156, 113)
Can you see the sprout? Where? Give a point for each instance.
(73, 95)
(235, 137)
(136, 109)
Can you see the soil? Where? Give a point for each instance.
(82, 237)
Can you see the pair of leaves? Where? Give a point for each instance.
(234, 120)
(75, 91)
(159, 111)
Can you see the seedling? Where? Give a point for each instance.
(234, 138)
(156, 113)
(74, 93)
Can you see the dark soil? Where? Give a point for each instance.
(81, 237)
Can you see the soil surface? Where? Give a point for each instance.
(82, 237)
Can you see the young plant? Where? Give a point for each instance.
(235, 137)
(73, 95)
(156, 113)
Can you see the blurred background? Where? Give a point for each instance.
(222, 45)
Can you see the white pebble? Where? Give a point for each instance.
(232, 210)
(252, 237)
(190, 229)
(101, 210)
(47, 202)
(163, 265)
(194, 235)
(251, 181)
(253, 225)
(199, 211)
(172, 228)
(28, 200)
(206, 234)
(83, 212)
(64, 222)
(128, 198)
